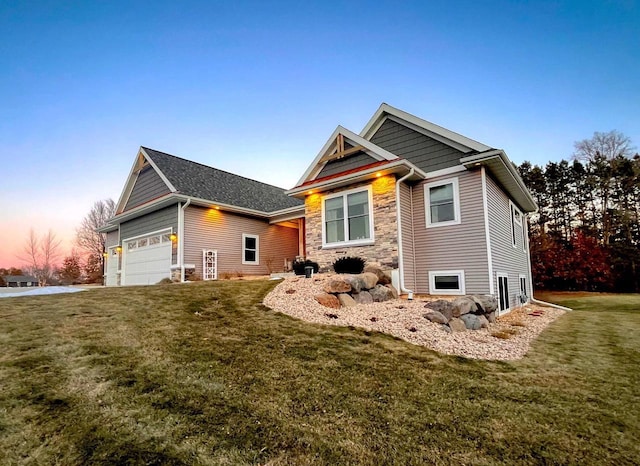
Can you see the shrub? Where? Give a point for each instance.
(349, 265)
(298, 266)
(165, 281)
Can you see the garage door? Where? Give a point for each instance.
(147, 260)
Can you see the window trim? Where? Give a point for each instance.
(347, 242)
(244, 249)
(456, 203)
(504, 275)
(513, 209)
(432, 282)
(520, 277)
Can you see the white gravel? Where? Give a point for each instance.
(404, 319)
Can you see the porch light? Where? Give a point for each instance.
(119, 249)
(173, 236)
(105, 254)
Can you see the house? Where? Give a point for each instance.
(19, 281)
(444, 212)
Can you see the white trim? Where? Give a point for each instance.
(500, 275)
(350, 178)
(151, 233)
(371, 149)
(487, 231)
(432, 282)
(513, 210)
(244, 249)
(456, 203)
(445, 171)
(524, 233)
(345, 218)
(386, 109)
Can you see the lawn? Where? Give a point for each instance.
(204, 374)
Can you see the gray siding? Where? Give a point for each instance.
(453, 247)
(505, 258)
(424, 152)
(406, 217)
(148, 186)
(222, 231)
(348, 163)
(112, 239)
(154, 221)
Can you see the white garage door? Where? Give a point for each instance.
(147, 260)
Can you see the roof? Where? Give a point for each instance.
(201, 181)
(19, 278)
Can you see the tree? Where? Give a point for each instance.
(40, 255)
(93, 269)
(88, 237)
(70, 272)
(608, 145)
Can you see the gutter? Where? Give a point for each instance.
(546, 304)
(399, 228)
(181, 238)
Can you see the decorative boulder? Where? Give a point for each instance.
(463, 305)
(491, 317)
(346, 300)
(443, 306)
(486, 304)
(337, 285)
(484, 322)
(435, 316)
(370, 280)
(446, 328)
(364, 297)
(457, 325)
(472, 321)
(328, 300)
(356, 281)
(394, 292)
(383, 277)
(381, 293)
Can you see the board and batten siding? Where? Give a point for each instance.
(347, 163)
(222, 231)
(406, 219)
(506, 259)
(155, 221)
(148, 186)
(453, 247)
(112, 239)
(424, 152)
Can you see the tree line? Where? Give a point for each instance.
(586, 233)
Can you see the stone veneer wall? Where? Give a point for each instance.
(385, 250)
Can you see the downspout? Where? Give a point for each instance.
(399, 227)
(181, 238)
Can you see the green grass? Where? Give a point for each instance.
(204, 374)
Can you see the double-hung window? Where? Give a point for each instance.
(250, 249)
(516, 219)
(442, 202)
(347, 218)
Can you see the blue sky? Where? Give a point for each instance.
(256, 88)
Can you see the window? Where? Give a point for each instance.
(524, 234)
(347, 218)
(442, 203)
(516, 219)
(250, 249)
(523, 285)
(503, 292)
(131, 245)
(446, 282)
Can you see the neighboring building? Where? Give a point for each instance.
(19, 281)
(446, 212)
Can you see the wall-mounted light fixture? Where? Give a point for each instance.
(173, 236)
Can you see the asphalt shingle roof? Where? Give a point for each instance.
(200, 181)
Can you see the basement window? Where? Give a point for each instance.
(446, 282)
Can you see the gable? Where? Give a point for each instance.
(148, 186)
(347, 163)
(423, 151)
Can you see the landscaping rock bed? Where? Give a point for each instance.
(508, 338)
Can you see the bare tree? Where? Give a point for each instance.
(605, 145)
(40, 255)
(87, 235)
